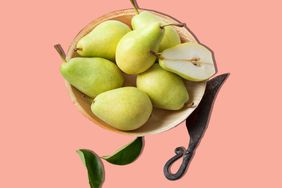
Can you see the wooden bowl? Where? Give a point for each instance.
(160, 120)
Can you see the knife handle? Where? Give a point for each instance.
(187, 155)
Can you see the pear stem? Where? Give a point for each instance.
(173, 24)
(135, 5)
(61, 52)
(191, 105)
(158, 55)
(77, 49)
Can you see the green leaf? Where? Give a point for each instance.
(94, 167)
(127, 154)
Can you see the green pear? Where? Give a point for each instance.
(92, 76)
(190, 60)
(133, 54)
(165, 89)
(124, 108)
(102, 40)
(145, 18)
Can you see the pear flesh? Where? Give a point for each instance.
(145, 18)
(124, 108)
(165, 89)
(190, 60)
(102, 40)
(133, 54)
(92, 76)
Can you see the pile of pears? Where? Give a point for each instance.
(148, 48)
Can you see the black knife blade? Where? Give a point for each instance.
(196, 125)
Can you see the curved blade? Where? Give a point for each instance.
(196, 125)
(197, 122)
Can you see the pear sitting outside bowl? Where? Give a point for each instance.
(153, 53)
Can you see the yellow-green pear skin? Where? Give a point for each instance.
(125, 108)
(102, 40)
(171, 37)
(133, 54)
(92, 76)
(165, 89)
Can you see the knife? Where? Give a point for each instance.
(196, 125)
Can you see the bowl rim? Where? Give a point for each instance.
(70, 54)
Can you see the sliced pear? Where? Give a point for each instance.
(190, 60)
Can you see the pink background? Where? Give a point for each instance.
(40, 128)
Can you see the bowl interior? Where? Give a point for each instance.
(160, 120)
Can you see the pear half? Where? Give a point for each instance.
(190, 60)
